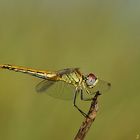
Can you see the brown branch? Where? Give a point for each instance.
(86, 124)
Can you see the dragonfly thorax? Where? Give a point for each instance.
(73, 78)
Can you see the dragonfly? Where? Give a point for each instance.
(81, 84)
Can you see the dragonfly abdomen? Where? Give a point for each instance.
(36, 73)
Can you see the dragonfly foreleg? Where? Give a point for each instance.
(87, 99)
(74, 102)
(83, 98)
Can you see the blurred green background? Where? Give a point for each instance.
(102, 37)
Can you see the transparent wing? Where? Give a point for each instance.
(44, 85)
(56, 89)
(67, 71)
(102, 86)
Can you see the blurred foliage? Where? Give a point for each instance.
(98, 36)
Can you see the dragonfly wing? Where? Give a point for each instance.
(67, 71)
(44, 85)
(102, 86)
(56, 89)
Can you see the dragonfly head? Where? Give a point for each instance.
(95, 84)
(91, 80)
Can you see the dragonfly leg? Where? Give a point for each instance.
(74, 102)
(83, 98)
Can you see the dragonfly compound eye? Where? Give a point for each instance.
(91, 80)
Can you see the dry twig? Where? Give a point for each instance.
(86, 124)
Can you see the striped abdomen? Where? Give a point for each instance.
(33, 72)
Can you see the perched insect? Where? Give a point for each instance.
(72, 77)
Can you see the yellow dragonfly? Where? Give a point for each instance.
(83, 84)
